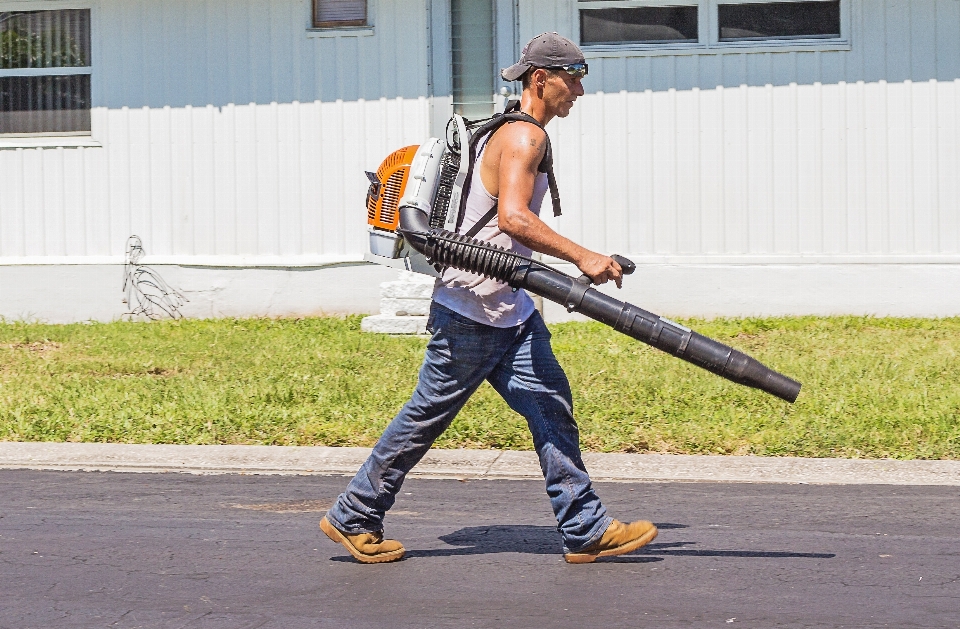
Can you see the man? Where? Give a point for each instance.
(483, 330)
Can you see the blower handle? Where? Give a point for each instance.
(628, 267)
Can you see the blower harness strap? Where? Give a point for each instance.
(512, 113)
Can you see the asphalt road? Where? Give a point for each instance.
(96, 549)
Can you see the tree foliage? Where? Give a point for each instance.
(20, 48)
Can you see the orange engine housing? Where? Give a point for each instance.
(383, 197)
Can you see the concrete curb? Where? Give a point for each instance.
(473, 464)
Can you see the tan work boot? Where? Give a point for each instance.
(365, 547)
(618, 539)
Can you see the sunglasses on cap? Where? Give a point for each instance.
(576, 70)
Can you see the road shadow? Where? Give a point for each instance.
(544, 540)
(676, 549)
(485, 540)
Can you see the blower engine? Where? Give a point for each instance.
(387, 186)
(413, 208)
(430, 177)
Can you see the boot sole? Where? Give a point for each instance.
(333, 533)
(630, 546)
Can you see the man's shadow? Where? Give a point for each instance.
(518, 538)
(544, 540)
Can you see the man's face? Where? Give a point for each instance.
(561, 91)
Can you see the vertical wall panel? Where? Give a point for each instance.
(899, 184)
(924, 167)
(689, 226)
(663, 143)
(592, 174)
(331, 179)
(833, 168)
(757, 176)
(711, 172)
(735, 158)
(877, 151)
(614, 152)
(35, 194)
(784, 178)
(288, 180)
(307, 154)
(73, 200)
(53, 186)
(12, 204)
(856, 188)
(948, 166)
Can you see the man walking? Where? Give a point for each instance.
(483, 330)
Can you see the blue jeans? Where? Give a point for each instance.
(519, 363)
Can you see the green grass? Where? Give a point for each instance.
(872, 387)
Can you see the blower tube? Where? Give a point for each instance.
(446, 248)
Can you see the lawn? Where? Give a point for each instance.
(872, 387)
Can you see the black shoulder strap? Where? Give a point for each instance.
(486, 218)
(546, 164)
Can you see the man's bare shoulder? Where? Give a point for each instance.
(522, 141)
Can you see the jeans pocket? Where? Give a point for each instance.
(463, 326)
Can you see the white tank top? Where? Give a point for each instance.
(484, 300)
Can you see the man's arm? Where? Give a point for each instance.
(522, 148)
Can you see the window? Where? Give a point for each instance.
(339, 13)
(651, 25)
(472, 47)
(638, 24)
(778, 20)
(45, 72)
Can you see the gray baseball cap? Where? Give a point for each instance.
(547, 50)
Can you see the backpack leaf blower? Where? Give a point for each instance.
(414, 204)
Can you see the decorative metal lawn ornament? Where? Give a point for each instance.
(145, 292)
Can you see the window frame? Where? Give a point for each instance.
(708, 27)
(53, 139)
(343, 28)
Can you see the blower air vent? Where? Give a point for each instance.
(384, 194)
(372, 196)
(449, 165)
(391, 196)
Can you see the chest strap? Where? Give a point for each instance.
(480, 224)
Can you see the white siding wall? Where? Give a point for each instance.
(230, 137)
(816, 156)
(225, 131)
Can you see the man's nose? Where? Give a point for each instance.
(578, 88)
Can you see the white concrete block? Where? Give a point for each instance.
(390, 324)
(404, 307)
(408, 285)
(405, 290)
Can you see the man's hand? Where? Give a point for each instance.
(600, 268)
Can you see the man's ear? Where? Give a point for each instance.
(539, 78)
